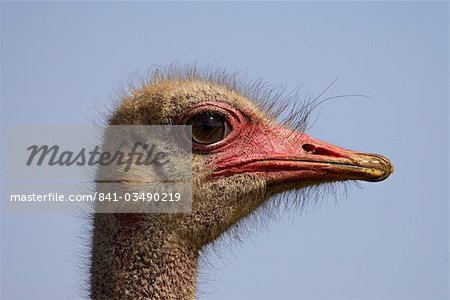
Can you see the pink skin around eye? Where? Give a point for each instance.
(232, 116)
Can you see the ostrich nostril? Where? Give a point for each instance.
(309, 148)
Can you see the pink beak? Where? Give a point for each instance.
(283, 156)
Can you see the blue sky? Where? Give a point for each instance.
(62, 62)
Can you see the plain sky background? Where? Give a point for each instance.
(61, 61)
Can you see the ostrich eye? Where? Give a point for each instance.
(208, 128)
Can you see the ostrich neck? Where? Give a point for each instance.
(133, 262)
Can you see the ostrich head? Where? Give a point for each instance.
(241, 156)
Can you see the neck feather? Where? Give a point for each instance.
(132, 261)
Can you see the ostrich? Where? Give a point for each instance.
(241, 158)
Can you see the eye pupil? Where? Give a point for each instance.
(208, 128)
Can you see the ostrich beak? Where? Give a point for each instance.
(283, 156)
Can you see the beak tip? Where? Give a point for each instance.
(380, 167)
(389, 169)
